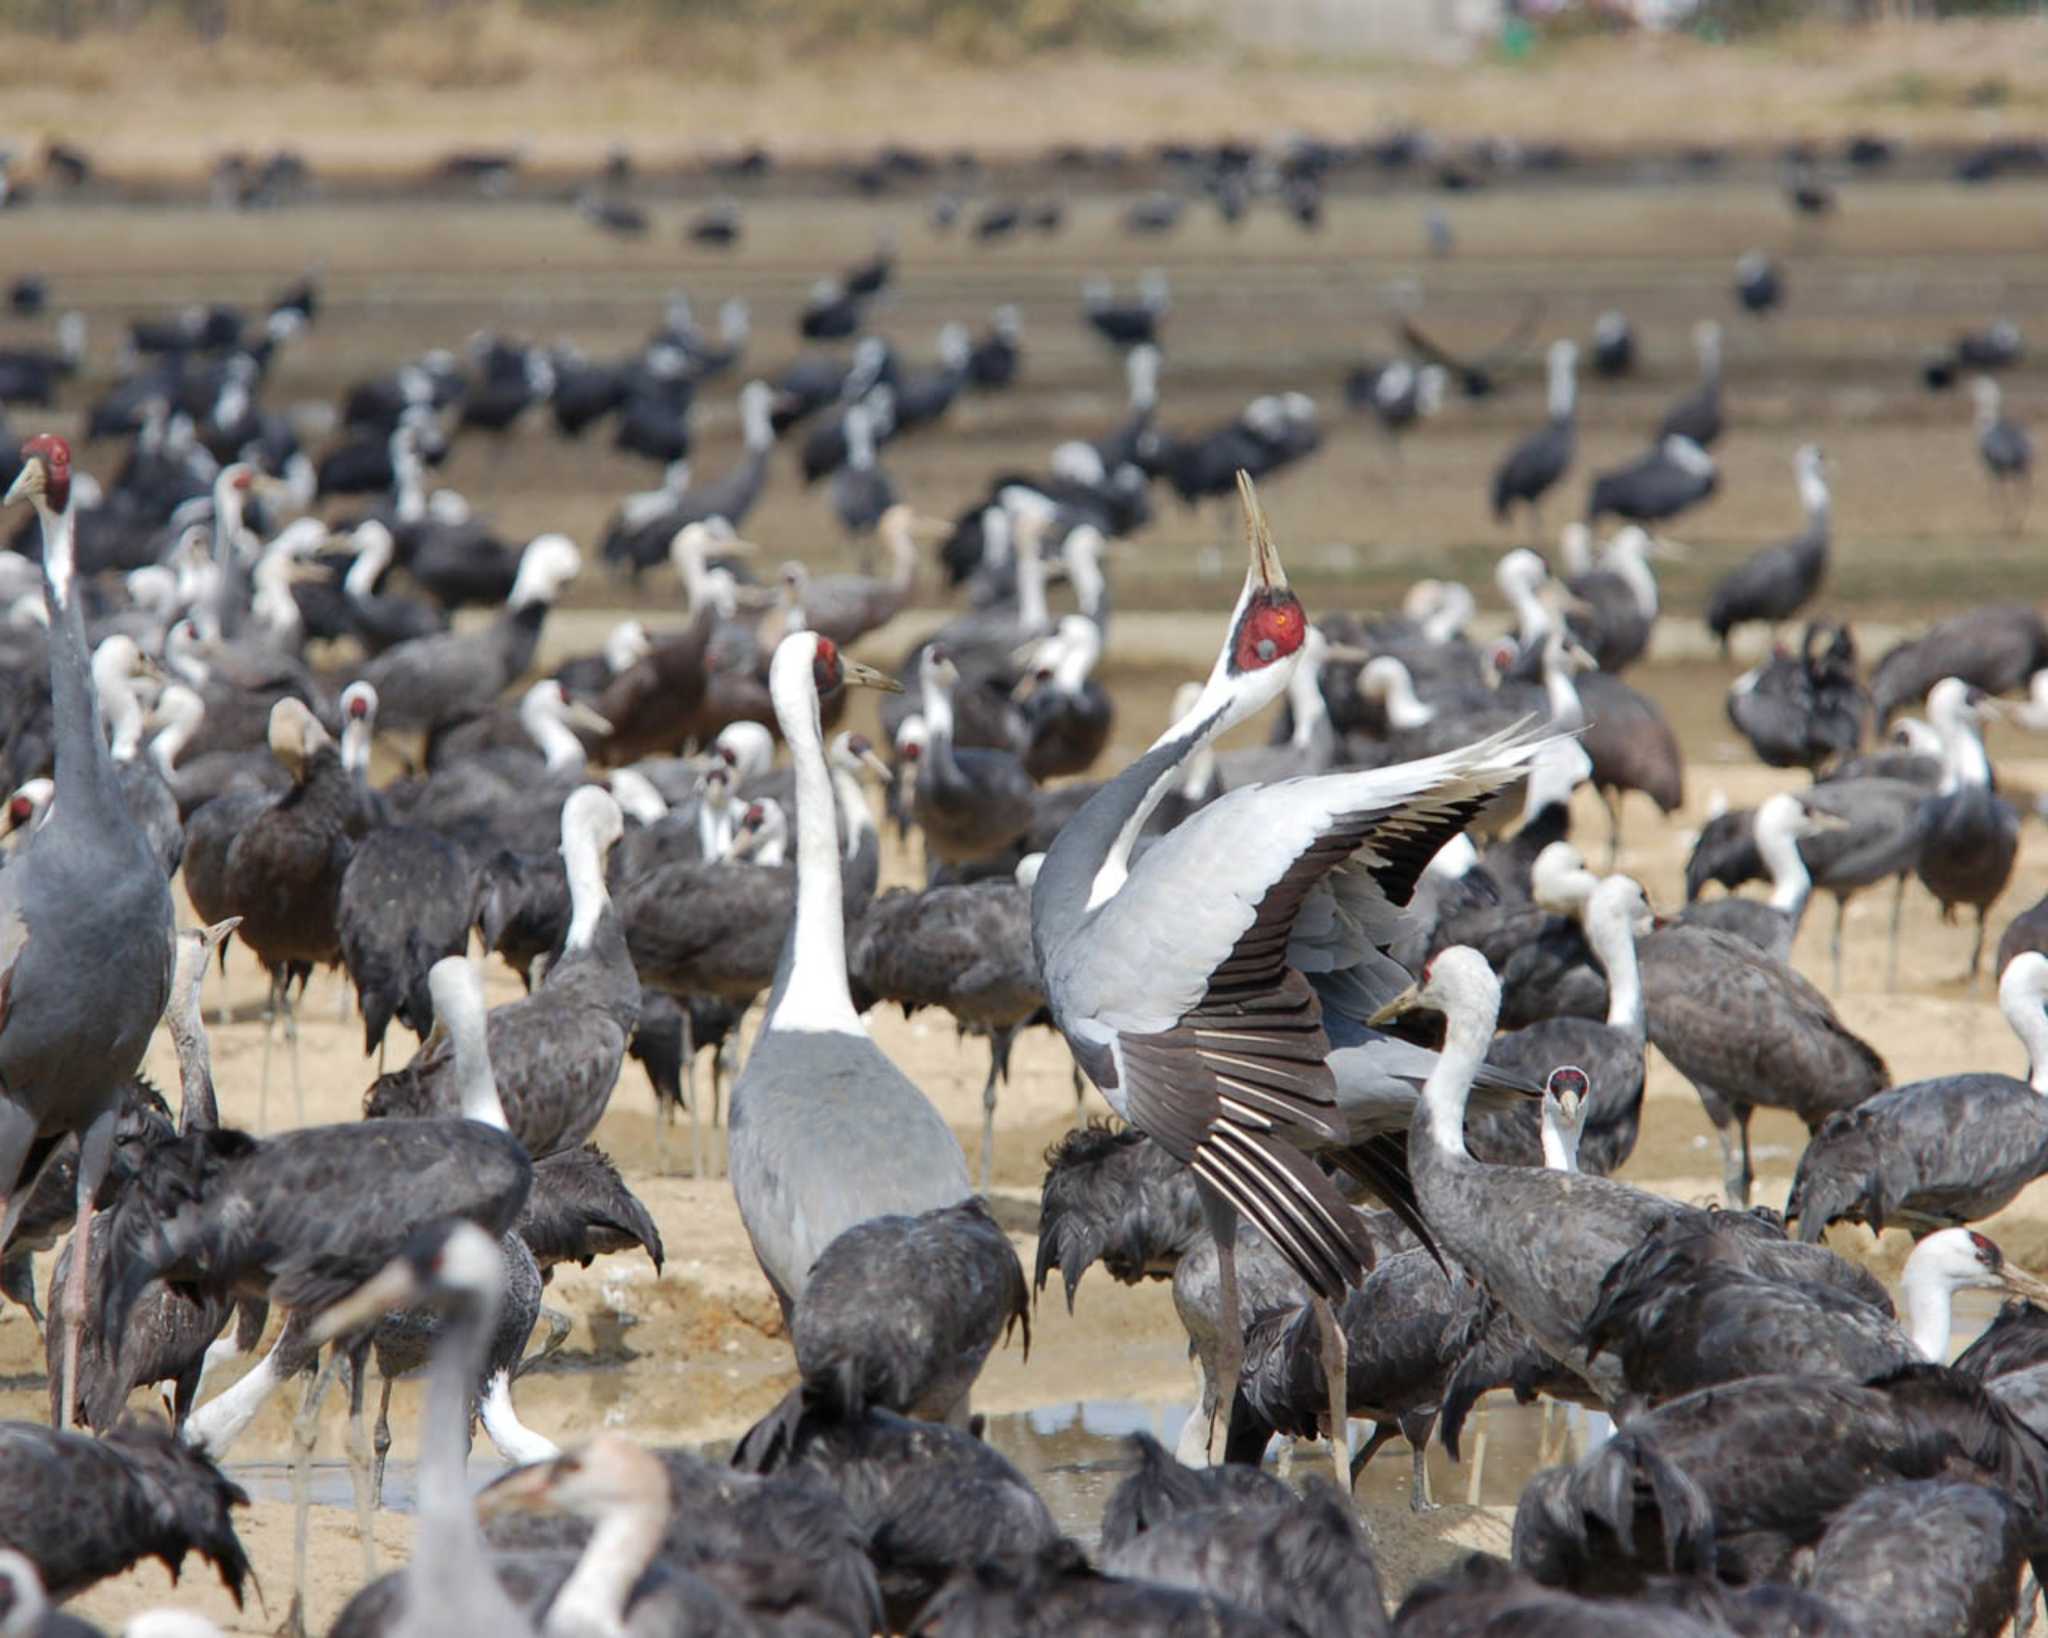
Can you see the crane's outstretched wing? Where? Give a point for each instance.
(1475, 375)
(1193, 973)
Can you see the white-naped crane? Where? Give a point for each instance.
(1200, 986)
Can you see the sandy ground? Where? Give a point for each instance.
(695, 1353)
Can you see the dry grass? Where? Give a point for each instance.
(377, 90)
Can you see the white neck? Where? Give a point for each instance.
(1558, 688)
(411, 501)
(60, 562)
(356, 734)
(1305, 699)
(1813, 493)
(123, 712)
(1076, 662)
(1560, 1142)
(1614, 942)
(902, 558)
(583, 861)
(938, 707)
(714, 825)
(227, 519)
(592, 1602)
(1467, 1035)
(1930, 1307)
(689, 558)
(1791, 881)
(1032, 614)
(860, 443)
(1200, 775)
(759, 431)
(1532, 620)
(1561, 389)
(815, 997)
(853, 808)
(1405, 709)
(515, 1441)
(1084, 570)
(475, 1085)
(1452, 614)
(2029, 1021)
(1626, 564)
(559, 746)
(372, 558)
(171, 740)
(1963, 754)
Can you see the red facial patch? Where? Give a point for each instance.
(1273, 627)
(19, 809)
(754, 814)
(55, 454)
(825, 671)
(244, 479)
(1987, 1250)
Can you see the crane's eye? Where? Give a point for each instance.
(1267, 649)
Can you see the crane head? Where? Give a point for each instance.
(45, 472)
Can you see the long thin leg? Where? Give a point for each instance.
(1222, 1219)
(1381, 1433)
(1416, 1429)
(1611, 801)
(1891, 971)
(305, 1434)
(988, 1122)
(690, 1094)
(380, 1443)
(359, 1459)
(291, 1036)
(1977, 949)
(1748, 1170)
(1336, 1352)
(1835, 944)
(1479, 1422)
(95, 1150)
(263, 1085)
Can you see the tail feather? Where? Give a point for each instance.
(1626, 1485)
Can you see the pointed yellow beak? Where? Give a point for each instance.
(1258, 538)
(858, 675)
(1406, 1002)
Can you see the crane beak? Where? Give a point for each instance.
(220, 932)
(579, 715)
(2022, 1284)
(1670, 551)
(1821, 821)
(1409, 1000)
(924, 528)
(525, 1489)
(1345, 654)
(1258, 538)
(396, 1286)
(876, 766)
(28, 482)
(857, 675)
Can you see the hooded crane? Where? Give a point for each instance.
(2007, 453)
(1539, 460)
(1774, 584)
(826, 1132)
(1697, 416)
(86, 956)
(1181, 979)
(1972, 834)
(1672, 476)
(1954, 1149)
(434, 680)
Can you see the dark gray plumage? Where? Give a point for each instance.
(556, 1052)
(1971, 835)
(1746, 1030)
(1056, 1592)
(83, 1509)
(1776, 582)
(967, 949)
(1933, 1153)
(1113, 1196)
(972, 802)
(899, 1313)
(1925, 1556)
(1535, 464)
(1995, 648)
(407, 899)
(580, 1209)
(1672, 476)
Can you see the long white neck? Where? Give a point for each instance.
(123, 712)
(1533, 622)
(227, 519)
(373, 556)
(1559, 690)
(408, 477)
(1468, 1031)
(1791, 881)
(689, 560)
(1200, 777)
(583, 861)
(1451, 616)
(1627, 565)
(902, 557)
(171, 739)
(1930, 1309)
(815, 996)
(559, 747)
(1305, 700)
(476, 1086)
(2029, 1022)
(853, 808)
(1084, 571)
(1562, 388)
(714, 825)
(1405, 708)
(592, 1601)
(1813, 493)
(1560, 1142)
(938, 707)
(860, 441)
(1032, 614)
(1076, 662)
(1963, 755)
(1614, 942)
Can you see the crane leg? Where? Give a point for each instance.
(380, 1443)
(1381, 1433)
(17, 1137)
(1891, 971)
(291, 1037)
(1336, 1352)
(1977, 949)
(690, 1094)
(1835, 943)
(1612, 803)
(988, 1124)
(1415, 1429)
(1222, 1219)
(95, 1150)
(360, 1460)
(1478, 1459)
(1748, 1173)
(305, 1433)
(263, 1083)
